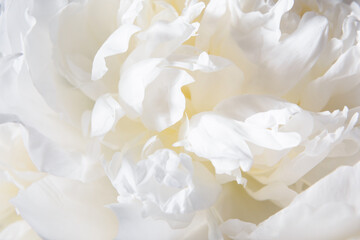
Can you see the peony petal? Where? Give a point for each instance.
(316, 150)
(58, 208)
(328, 210)
(192, 10)
(132, 225)
(212, 137)
(277, 192)
(235, 203)
(15, 24)
(41, 56)
(19, 230)
(169, 185)
(117, 42)
(129, 216)
(164, 102)
(211, 73)
(237, 229)
(154, 93)
(129, 10)
(222, 140)
(263, 111)
(202, 62)
(47, 156)
(229, 79)
(176, 208)
(160, 40)
(133, 83)
(280, 63)
(341, 78)
(107, 111)
(210, 22)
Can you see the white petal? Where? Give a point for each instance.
(277, 192)
(169, 185)
(234, 202)
(256, 109)
(280, 63)
(129, 10)
(160, 40)
(133, 83)
(328, 210)
(211, 22)
(132, 225)
(154, 93)
(316, 149)
(206, 189)
(222, 140)
(117, 42)
(210, 136)
(229, 79)
(164, 102)
(58, 208)
(76, 33)
(54, 63)
(19, 230)
(13, 152)
(15, 24)
(341, 78)
(237, 229)
(49, 156)
(192, 10)
(202, 62)
(211, 73)
(105, 114)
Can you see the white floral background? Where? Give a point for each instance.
(179, 119)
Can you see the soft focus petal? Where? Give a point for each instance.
(47, 156)
(15, 24)
(59, 208)
(19, 230)
(327, 210)
(132, 225)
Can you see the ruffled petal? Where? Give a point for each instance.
(169, 185)
(222, 140)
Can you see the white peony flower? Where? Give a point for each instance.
(186, 119)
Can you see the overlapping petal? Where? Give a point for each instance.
(328, 210)
(169, 185)
(184, 119)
